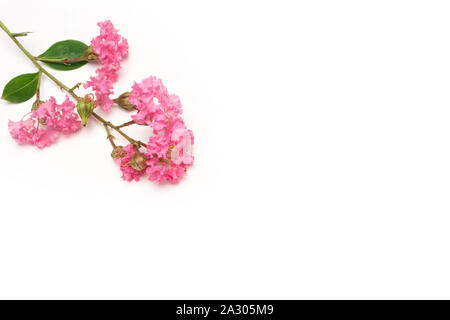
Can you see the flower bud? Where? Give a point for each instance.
(90, 55)
(36, 104)
(123, 102)
(118, 152)
(138, 161)
(85, 107)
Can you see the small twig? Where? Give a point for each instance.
(109, 124)
(126, 124)
(109, 136)
(111, 140)
(20, 34)
(77, 86)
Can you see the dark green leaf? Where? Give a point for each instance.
(67, 49)
(21, 88)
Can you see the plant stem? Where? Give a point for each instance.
(66, 88)
(51, 60)
(126, 124)
(62, 61)
(31, 57)
(109, 124)
(77, 86)
(111, 140)
(116, 128)
(65, 61)
(109, 136)
(20, 34)
(38, 88)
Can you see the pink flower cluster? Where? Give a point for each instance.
(168, 152)
(46, 123)
(110, 48)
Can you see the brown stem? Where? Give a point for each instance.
(74, 60)
(109, 136)
(126, 124)
(111, 140)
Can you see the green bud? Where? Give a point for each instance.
(122, 101)
(36, 104)
(85, 107)
(138, 161)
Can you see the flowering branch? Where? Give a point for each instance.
(168, 152)
(67, 89)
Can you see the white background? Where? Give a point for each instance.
(322, 155)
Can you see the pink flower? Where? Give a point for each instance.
(59, 117)
(127, 163)
(110, 48)
(158, 147)
(168, 159)
(169, 151)
(183, 139)
(155, 106)
(161, 172)
(103, 88)
(25, 132)
(45, 124)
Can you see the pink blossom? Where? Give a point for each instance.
(103, 88)
(110, 48)
(155, 106)
(59, 117)
(163, 163)
(158, 146)
(160, 172)
(183, 139)
(25, 132)
(168, 152)
(128, 172)
(44, 125)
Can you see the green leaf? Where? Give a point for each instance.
(67, 49)
(21, 88)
